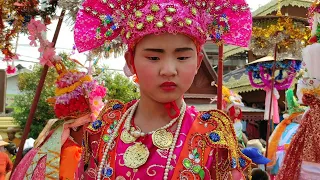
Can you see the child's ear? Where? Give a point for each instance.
(129, 57)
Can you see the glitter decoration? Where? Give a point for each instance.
(225, 22)
(290, 35)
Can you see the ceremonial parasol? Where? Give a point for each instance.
(282, 37)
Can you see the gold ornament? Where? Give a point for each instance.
(126, 137)
(136, 156)
(162, 138)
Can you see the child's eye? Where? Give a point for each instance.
(153, 58)
(183, 58)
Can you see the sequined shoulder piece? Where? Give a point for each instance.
(111, 112)
(211, 137)
(222, 135)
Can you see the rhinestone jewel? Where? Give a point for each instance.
(188, 21)
(171, 10)
(194, 11)
(242, 162)
(108, 33)
(196, 169)
(128, 35)
(138, 14)
(150, 18)
(96, 124)
(214, 137)
(139, 26)
(187, 163)
(206, 116)
(117, 106)
(159, 24)
(233, 163)
(107, 172)
(155, 8)
(168, 19)
(235, 7)
(106, 138)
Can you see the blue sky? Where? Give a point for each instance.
(65, 42)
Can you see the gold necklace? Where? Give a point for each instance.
(161, 138)
(137, 154)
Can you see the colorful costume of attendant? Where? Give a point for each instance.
(232, 104)
(55, 154)
(303, 156)
(203, 145)
(281, 137)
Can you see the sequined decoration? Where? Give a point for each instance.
(227, 22)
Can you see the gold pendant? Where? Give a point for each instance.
(136, 155)
(126, 137)
(162, 139)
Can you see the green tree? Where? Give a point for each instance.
(27, 83)
(119, 87)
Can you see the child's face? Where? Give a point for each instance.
(165, 65)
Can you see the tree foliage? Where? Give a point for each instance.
(119, 87)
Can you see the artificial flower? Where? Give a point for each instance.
(11, 69)
(98, 91)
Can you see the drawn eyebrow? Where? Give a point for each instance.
(154, 50)
(183, 49)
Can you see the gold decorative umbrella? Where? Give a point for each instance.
(281, 37)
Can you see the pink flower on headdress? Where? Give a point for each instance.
(11, 69)
(99, 91)
(96, 105)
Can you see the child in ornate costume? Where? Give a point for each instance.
(281, 137)
(232, 103)
(303, 156)
(56, 154)
(159, 136)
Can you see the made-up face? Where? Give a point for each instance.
(165, 65)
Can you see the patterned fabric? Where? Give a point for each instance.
(51, 152)
(24, 165)
(219, 153)
(305, 144)
(51, 160)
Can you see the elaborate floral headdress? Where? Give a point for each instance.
(230, 99)
(102, 21)
(77, 94)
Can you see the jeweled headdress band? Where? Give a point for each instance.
(101, 21)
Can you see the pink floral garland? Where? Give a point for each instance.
(36, 31)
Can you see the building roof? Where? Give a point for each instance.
(238, 81)
(267, 9)
(272, 6)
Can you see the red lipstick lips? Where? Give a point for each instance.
(168, 86)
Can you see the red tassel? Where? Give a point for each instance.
(174, 106)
